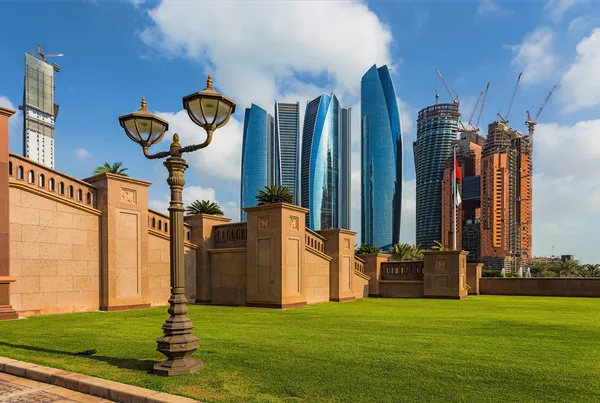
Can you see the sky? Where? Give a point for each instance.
(117, 51)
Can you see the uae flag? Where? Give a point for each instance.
(457, 199)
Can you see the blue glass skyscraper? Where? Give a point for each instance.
(381, 164)
(322, 156)
(287, 139)
(259, 156)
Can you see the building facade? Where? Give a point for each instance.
(39, 111)
(320, 168)
(287, 138)
(437, 128)
(381, 159)
(506, 199)
(345, 169)
(260, 166)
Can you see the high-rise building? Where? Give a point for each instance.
(381, 159)
(505, 199)
(287, 137)
(39, 110)
(468, 214)
(437, 128)
(321, 186)
(259, 156)
(345, 169)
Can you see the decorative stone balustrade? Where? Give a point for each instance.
(314, 240)
(160, 223)
(359, 265)
(404, 270)
(230, 235)
(25, 172)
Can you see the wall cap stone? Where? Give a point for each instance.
(7, 111)
(380, 254)
(166, 217)
(337, 230)
(318, 253)
(274, 206)
(210, 216)
(156, 233)
(363, 275)
(37, 164)
(449, 252)
(121, 178)
(30, 189)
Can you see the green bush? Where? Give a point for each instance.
(367, 248)
(491, 273)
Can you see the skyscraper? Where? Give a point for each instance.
(287, 137)
(321, 186)
(345, 169)
(381, 166)
(39, 110)
(505, 199)
(437, 127)
(259, 160)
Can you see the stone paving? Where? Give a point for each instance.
(14, 389)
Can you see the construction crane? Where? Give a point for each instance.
(474, 110)
(454, 99)
(44, 56)
(487, 87)
(505, 120)
(531, 126)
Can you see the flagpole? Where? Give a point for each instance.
(454, 198)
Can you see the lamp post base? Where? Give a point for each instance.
(182, 366)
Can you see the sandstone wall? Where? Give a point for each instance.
(316, 276)
(228, 276)
(54, 254)
(551, 287)
(361, 285)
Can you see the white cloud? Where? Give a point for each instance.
(409, 208)
(577, 25)
(82, 154)
(580, 85)
(137, 3)
(193, 193)
(557, 8)
(566, 198)
(488, 7)
(221, 159)
(257, 51)
(535, 56)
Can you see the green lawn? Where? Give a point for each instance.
(484, 349)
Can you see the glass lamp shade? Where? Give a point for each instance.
(143, 127)
(209, 109)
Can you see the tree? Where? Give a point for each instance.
(538, 269)
(441, 248)
(593, 269)
(116, 168)
(204, 207)
(405, 251)
(274, 195)
(566, 268)
(366, 249)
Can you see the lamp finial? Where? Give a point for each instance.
(175, 142)
(209, 82)
(143, 103)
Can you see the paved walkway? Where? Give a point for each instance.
(14, 389)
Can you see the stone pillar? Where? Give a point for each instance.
(202, 237)
(373, 269)
(6, 310)
(340, 246)
(275, 252)
(473, 277)
(124, 269)
(445, 274)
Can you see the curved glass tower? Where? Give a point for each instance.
(323, 140)
(258, 155)
(381, 162)
(437, 127)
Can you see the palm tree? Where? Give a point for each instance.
(366, 249)
(405, 251)
(566, 268)
(204, 207)
(274, 195)
(441, 248)
(116, 168)
(538, 269)
(593, 269)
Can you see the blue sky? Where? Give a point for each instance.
(117, 51)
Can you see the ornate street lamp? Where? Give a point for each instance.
(209, 110)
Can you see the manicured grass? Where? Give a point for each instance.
(484, 349)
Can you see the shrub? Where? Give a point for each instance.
(491, 273)
(367, 248)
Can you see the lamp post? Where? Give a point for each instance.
(209, 110)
